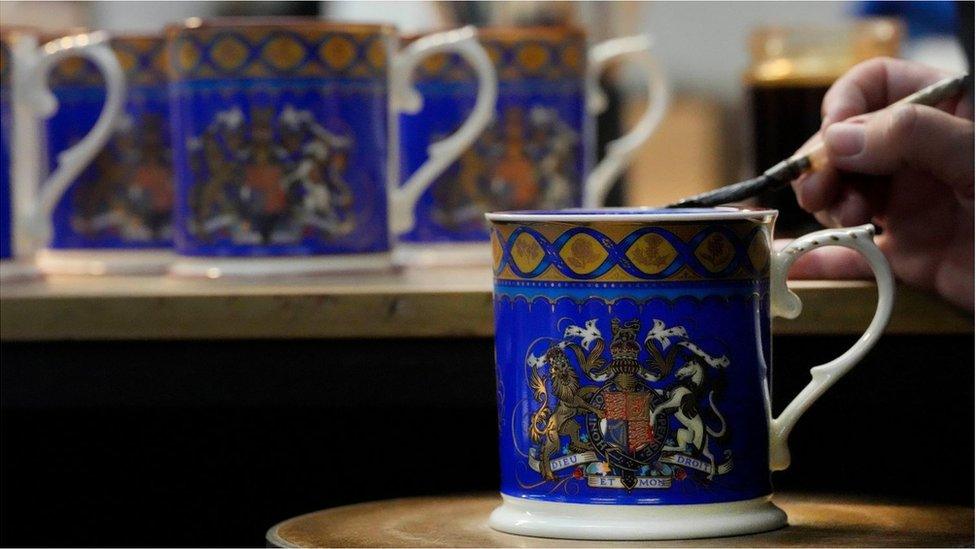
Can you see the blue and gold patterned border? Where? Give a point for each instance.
(630, 252)
(142, 57)
(277, 51)
(5, 64)
(556, 53)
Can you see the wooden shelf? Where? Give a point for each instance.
(453, 302)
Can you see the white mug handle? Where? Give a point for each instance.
(786, 304)
(44, 104)
(407, 99)
(621, 151)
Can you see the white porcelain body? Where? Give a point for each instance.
(260, 267)
(104, 262)
(635, 522)
(18, 270)
(461, 254)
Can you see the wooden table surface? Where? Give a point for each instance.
(461, 521)
(443, 302)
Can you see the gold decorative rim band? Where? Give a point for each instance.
(278, 51)
(631, 252)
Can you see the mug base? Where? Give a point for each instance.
(104, 262)
(251, 267)
(635, 522)
(18, 270)
(442, 254)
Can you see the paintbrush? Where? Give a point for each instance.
(814, 158)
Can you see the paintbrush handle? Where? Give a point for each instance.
(936, 93)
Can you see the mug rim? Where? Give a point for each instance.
(510, 32)
(43, 36)
(277, 22)
(633, 214)
(137, 35)
(7, 30)
(539, 32)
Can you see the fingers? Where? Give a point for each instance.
(852, 209)
(915, 136)
(840, 200)
(814, 191)
(873, 85)
(818, 190)
(832, 262)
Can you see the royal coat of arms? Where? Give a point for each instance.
(269, 178)
(525, 161)
(640, 413)
(129, 191)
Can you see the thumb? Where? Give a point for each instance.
(913, 136)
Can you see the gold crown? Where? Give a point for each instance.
(624, 346)
(624, 350)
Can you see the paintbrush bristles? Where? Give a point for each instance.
(730, 193)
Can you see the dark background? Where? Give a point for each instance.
(211, 443)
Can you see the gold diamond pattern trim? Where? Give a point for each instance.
(526, 253)
(533, 57)
(376, 54)
(229, 53)
(583, 254)
(496, 251)
(434, 64)
(127, 59)
(715, 252)
(651, 253)
(338, 52)
(188, 55)
(284, 52)
(572, 57)
(758, 251)
(4, 61)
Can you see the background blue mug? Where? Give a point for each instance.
(540, 150)
(284, 145)
(633, 351)
(32, 186)
(115, 217)
(6, 144)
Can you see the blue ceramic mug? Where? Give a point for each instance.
(30, 193)
(633, 351)
(538, 153)
(285, 142)
(6, 144)
(115, 217)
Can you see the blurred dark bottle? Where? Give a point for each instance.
(792, 68)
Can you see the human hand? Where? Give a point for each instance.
(908, 169)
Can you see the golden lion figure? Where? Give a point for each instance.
(572, 400)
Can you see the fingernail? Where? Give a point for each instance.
(845, 139)
(832, 115)
(798, 186)
(810, 192)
